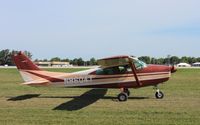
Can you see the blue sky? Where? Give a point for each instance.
(99, 28)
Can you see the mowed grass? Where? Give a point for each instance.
(180, 106)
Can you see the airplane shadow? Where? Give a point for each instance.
(23, 97)
(79, 102)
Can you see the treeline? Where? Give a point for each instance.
(76, 61)
(173, 60)
(5, 59)
(170, 60)
(6, 56)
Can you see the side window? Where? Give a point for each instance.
(100, 72)
(124, 69)
(128, 68)
(107, 71)
(113, 70)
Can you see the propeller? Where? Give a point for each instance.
(172, 67)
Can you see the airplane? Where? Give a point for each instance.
(122, 72)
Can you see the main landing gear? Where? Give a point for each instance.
(123, 96)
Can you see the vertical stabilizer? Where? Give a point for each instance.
(23, 62)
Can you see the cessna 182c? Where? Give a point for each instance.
(121, 72)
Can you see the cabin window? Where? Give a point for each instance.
(113, 70)
(121, 69)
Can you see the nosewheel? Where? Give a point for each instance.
(159, 95)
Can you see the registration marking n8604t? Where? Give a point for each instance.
(78, 80)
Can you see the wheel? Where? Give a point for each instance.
(122, 97)
(127, 92)
(159, 95)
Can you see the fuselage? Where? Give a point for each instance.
(106, 77)
(114, 72)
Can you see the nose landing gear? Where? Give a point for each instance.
(159, 94)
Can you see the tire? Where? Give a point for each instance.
(122, 97)
(159, 95)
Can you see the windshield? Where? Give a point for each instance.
(139, 64)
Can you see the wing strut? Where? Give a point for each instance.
(134, 72)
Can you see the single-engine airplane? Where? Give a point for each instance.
(121, 72)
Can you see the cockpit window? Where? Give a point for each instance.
(139, 64)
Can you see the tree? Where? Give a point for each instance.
(5, 57)
(65, 60)
(28, 54)
(36, 60)
(55, 59)
(198, 59)
(45, 60)
(161, 61)
(80, 62)
(184, 59)
(13, 52)
(74, 61)
(87, 63)
(191, 60)
(174, 60)
(93, 61)
(153, 61)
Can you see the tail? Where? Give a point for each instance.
(23, 62)
(24, 65)
(31, 73)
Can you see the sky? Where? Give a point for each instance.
(101, 28)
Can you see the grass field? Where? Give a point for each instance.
(22, 105)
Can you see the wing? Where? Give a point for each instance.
(114, 61)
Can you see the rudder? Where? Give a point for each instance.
(23, 62)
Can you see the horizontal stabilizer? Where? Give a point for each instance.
(36, 82)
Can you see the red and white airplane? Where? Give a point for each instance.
(121, 72)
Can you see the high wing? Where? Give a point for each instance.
(114, 61)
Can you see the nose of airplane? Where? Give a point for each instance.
(173, 69)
